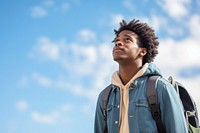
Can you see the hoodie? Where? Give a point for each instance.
(124, 94)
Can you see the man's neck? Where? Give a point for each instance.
(127, 72)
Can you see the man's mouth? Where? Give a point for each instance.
(118, 49)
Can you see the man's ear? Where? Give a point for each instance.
(143, 51)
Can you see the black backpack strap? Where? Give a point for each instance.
(153, 102)
(105, 95)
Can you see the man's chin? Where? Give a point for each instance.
(118, 59)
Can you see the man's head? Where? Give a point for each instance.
(140, 34)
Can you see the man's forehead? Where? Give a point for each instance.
(126, 33)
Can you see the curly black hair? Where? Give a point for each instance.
(146, 37)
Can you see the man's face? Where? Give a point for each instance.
(126, 47)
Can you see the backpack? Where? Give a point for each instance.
(190, 109)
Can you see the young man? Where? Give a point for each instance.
(127, 110)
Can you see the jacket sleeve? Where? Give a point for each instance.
(100, 123)
(172, 113)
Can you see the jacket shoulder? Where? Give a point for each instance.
(162, 82)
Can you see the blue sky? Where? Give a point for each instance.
(56, 57)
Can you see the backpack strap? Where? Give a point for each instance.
(105, 95)
(153, 102)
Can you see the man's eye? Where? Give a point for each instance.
(128, 39)
(116, 40)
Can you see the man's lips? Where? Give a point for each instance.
(118, 49)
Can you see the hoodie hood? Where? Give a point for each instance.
(117, 81)
(148, 69)
(152, 70)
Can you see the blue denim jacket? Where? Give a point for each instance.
(139, 114)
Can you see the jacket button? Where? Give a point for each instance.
(116, 122)
(118, 106)
(130, 116)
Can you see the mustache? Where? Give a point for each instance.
(119, 48)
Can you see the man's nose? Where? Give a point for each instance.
(118, 43)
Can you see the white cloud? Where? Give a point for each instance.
(55, 116)
(106, 65)
(48, 6)
(82, 61)
(42, 80)
(175, 55)
(67, 85)
(175, 8)
(165, 26)
(194, 26)
(73, 57)
(43, 118)
(87, 35)
(47, 49)
(161, 24)
(116, 19)
(100, 74)
(184, 53)
(88, 51)
(74, 89)
(156, 22)
(38, 12)
(173, 30)
(70, 56)
(22, 105)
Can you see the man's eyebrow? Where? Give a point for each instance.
(119, 36)
(127, 35)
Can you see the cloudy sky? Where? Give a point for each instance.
(56, 57)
